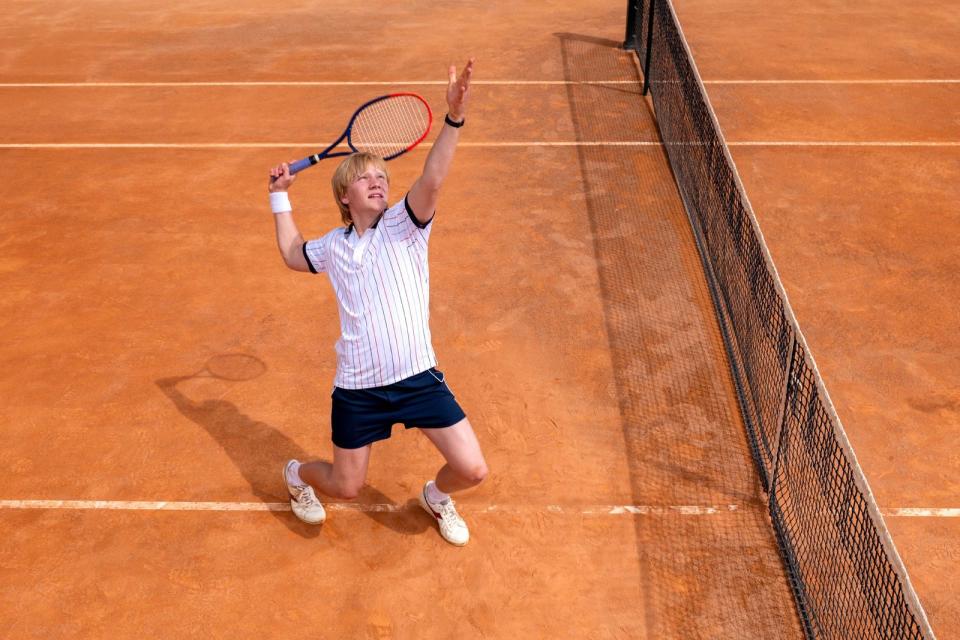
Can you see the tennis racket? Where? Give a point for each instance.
(387, 126)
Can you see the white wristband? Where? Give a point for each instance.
(280, 202)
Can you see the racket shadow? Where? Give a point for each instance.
(259, 450)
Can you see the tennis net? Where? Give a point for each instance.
(846, 576)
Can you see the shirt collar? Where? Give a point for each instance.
(349, 228)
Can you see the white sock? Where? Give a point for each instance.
(434, 494)
(293, 475)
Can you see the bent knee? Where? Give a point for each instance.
(349, 491)
(477, 473)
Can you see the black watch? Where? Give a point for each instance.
(455, 125)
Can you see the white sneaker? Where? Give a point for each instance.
(303, 500)
(452, 527)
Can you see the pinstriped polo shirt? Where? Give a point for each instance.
(382, 284)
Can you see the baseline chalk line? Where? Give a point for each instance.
(169, 505)
(305, 83)
(427, 145)
(587, 510)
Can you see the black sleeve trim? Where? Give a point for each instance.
(307, 258)
(413, 218)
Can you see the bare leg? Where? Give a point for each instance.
(344, 478)
(465, 465)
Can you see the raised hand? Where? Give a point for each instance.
(458, 90)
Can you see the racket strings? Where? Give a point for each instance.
(390, 126)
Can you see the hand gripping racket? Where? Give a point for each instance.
(387, 126)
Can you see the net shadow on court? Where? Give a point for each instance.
(716, 574)
(844, 571)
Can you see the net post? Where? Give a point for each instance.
(646, 61)
(630, 37)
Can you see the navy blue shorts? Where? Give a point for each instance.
(362, 416)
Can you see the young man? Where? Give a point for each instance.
(386, 371)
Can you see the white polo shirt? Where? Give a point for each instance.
(382, 284)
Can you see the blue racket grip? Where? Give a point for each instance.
(300, 165)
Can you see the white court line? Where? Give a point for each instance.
(839, 143)
(589, 510)
(135, 505)
(890, 81)
(598, 143)
(920, 513)
(306, 83)
(385, 83)
(313, 145)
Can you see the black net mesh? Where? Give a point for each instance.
(843, 579)
(846, 577)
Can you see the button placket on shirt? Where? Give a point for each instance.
(360, 245)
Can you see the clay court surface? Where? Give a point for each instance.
(569, 313)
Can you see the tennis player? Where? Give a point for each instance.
(386, 366)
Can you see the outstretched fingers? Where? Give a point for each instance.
(458, 87)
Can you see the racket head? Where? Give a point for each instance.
(390, 125)
(235, 366)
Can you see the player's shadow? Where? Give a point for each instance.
(259, 451)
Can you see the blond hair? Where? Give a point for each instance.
(351, 167)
